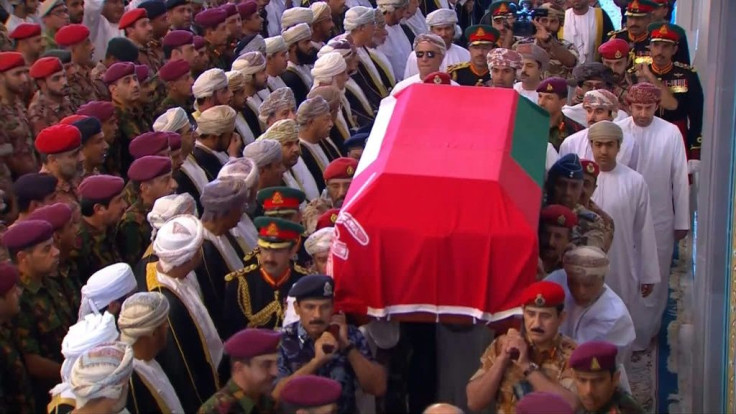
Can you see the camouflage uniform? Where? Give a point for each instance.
(82, 89)
(149, 57)
(96, 74)
(555, 68)
(16, 135)
(621, 403)
(44, 112)
(168, 103)
(96, 249)
(16, 395)
(231, 399)
(621, 88)
(68, 280)
(591, 229)
(608, 225)
(49, 42)
(66, 192)
(131, 123)
(564, 129)
(134, 233)
(217, 58)
(6, 45)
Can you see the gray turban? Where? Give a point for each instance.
(358, 16)
(263, 152)
(141, 314)
(310, 109)
(432, 39)
(244, 169)
(221, 196)
(319, 241)
(389, 6)
(249, 64)
(275, 45)
(442, 17)
(279, 99)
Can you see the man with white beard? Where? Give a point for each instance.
(397, 45)
(663, 165)
(443, 23)
(600, 105)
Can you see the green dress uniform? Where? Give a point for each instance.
(134, 233)
(465, 74)
(231, 399)
(96, 249)
(564, 129)
(16, 394)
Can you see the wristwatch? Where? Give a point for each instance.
(532, 367)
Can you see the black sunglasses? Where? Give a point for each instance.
(429, 54)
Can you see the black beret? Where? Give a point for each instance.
(122, 49)
(356, 141)
(170, 4)
(34, 187)
(313, 287)
(154, 8)
(88, 127)
(65, 56)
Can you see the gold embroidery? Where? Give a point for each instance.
(262, 317)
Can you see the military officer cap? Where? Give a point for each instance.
(11, 60)
(211, 18)
(45, 67)
(328, 218)
(539, 402)
(310, 391)
(640, 8)
(438, 78)
(100, 187)
(71, 34)
(64, 56)
(154, 8)
(149, 143)
(102, 110)
(9, 277)
(25, 31)
(356, 140)
(149, 167)
(594, 356)
(57, 215)
(174, 70)
(313, 287)
(568, 166)
(280, 200)
(252, 342)
(665, 32)
(27, 233)
(590, 167)
(558, 215)
(481, 34)
(614, 49)
(340, 168)
(57, 139)
(555, 85)
(543, 294)
(117, 71)
(130, 17)
(277, 233)
(122, 49)
(501, 8)
(88, 127)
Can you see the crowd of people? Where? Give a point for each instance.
(172, 172)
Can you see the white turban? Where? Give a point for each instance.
(358, 16)
(341, 46)
(177, 241)
(263, 152)
(390, 6)
(321, 11)
(432, 39)
(166, 207)
(327, 66)
(310, 109)
(208, 82)
(235, 80)
(84, 335)
(250, 64)
(173, 120)
(296, 33)
(105, 286)
(244, 169)
(283, 131)
(442, 17)
(102, 372)
(319, 241)
(586, 261)
(295, 15)
(221, 196)
(141, 314)
(216, 120)
(275, 45)
(279, 99)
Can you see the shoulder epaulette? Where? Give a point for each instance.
(684, 66)
(613, 33)
(242, 272)
(251, 254)
(300, 269)
(457, 66)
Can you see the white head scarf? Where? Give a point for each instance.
(296, 33)
(263, 152)
(250, 64)
(319, 241)
(105, 286)
(358, 16)
(102, 372)
(275, 45)
(216, 120)
(327, 66)
(321, 11)
(441, 17)
(244, 169)
(169, 206)
(283, 131)
(277, 100)
(295, 15)
(208, 82)
(178, 240)
(173, 120)
(141, 314)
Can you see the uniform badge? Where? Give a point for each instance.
(594, 365)
(327, 290)
(634, 5)
(679, 75)
(350, 170)
(663, 30)
(618, 55)
(550, 88)
(333, 218)
(504, 9)
(272, 230)
(437, 80)
(590, 168)
(561, 220)
(277, 198)
(539, 300)
(480, 32)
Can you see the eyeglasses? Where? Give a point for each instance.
(429, 53)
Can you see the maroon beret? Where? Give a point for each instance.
(174, 140)
(11, 60)
(118, 70)
(343, 168)
(252, 342)
(100, 187)
(311, 391)
(57, 215)
(71, 119)
(45, 66)
(247, 9)
(102, 110)
(25, 31)
(141, 72)
(130, 17)
(176, 38)
(8, 277)
(199, 42)
(210, 18)
(71, 34)
(542, 403)
(149, 167)
(328, 218)
(553, 85)
(594, 356)
(230, 9)
(27, 233)
(559, 215)
(57, 139)
(149, 143)
(438, 78)
(173, 70)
